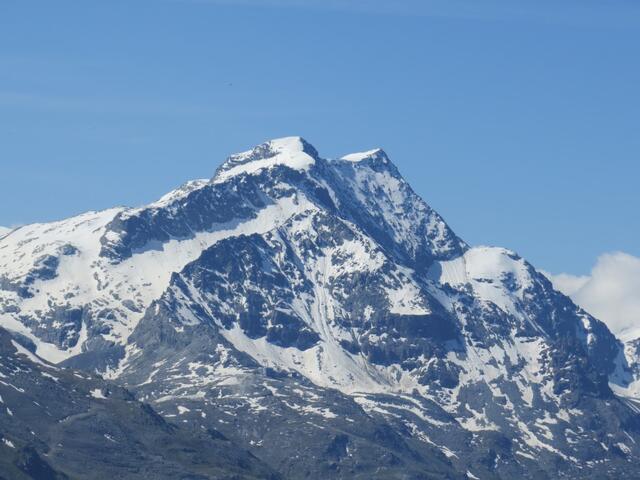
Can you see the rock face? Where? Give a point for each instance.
(58, 423)
(321, 314)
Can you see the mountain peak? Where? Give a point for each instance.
(293, 152)
(375, 154)
(376, 159)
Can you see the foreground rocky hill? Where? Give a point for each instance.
(60, 423)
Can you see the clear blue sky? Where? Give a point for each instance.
(517, 120)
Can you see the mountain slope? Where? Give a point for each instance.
(318, 306)
(59, 423)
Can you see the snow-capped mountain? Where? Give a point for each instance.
(320, 313)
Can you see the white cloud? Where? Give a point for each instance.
(611, 292)
(567, 283)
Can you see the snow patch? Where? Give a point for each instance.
(8, 443)
(23, 351)
(97, 393)
(288, 151)
(360, 156)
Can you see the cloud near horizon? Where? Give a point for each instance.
(611, 292)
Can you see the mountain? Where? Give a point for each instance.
(319, 313)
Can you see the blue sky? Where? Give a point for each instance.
(517, 120)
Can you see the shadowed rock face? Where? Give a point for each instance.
(321, 315)
(58, 424)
